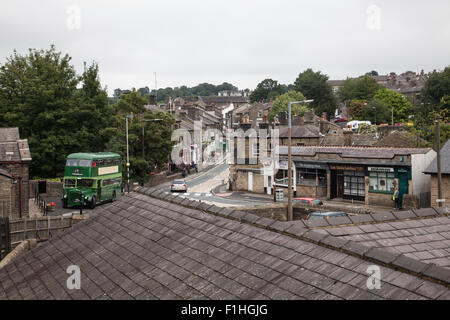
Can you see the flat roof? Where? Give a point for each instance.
(93, 156)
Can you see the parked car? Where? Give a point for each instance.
(326, 215)
(310, 201)
(178, 185)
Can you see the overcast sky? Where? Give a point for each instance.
(187, 42)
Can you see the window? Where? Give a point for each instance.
(84, 163)
(308, 176)
(381, 181)
(354, 183)
(72, 163)
(69, 183)
(282, 177)
(85, 183)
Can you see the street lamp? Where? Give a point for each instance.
(290, 211)
(143, 133)
(128, 152)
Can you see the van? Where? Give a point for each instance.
(354, 125)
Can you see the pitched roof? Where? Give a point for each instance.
(12, 148)
(145, 248)
(426, 239)
(5, 173)
(224, 99)
(9, 134)
(353, 152)
(303, 131)
(445, 161)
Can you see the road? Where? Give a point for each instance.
(201, 186)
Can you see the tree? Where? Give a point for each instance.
(372, 73)
(268, 89)
(376, 111)
(356, 109)
(281, 104)
(395, 101)
(36, 92)
(156, 138)
(314, 85)
(362, 88)
(436, 87)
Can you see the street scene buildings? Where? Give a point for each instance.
(143, 175)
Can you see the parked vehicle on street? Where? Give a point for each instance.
(310, 201)
(178, 186)
(92, 178)
(355, 124)
(325, 215)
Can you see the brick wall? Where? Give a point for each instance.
(445, 190)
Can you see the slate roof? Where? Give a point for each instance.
(9, 134)
(423, 239)
(445, 161)
(12, 148)
(303, 131)
(353, 152)
(5, 173)
(141, 247)
(226, 99)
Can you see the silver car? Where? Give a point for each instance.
(178, 186)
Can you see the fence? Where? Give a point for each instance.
(37, 228)
(5, 240)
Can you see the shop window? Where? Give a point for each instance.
(282, 177)
(381, 181)
(308, 176)
(354, 183)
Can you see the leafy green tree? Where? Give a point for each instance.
(356, 109)
(314, 85)
(151, 131)
(36, 93)
(393, 100)
(268, 89)
(376, 111)
(281, 104)
(362, 88)
(436, 87)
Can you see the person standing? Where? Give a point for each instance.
(396, 198)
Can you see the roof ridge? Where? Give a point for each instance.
(301, 231)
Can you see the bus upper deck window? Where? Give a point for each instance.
(84, 163)
(72, 163)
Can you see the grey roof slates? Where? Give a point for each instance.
(194, 255)
(353, 152)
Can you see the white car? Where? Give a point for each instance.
(178, 186)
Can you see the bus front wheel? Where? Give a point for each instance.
(64, 203)
(113, 197)
(93, 202)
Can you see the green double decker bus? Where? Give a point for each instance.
(92, 178)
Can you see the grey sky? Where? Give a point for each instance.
(189, 42)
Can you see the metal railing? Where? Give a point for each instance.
(41, 203)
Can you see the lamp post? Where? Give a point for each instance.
(128, 153)
(290, 211)
(143, 133)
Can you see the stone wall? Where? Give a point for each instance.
(6, 188)
(162, 177)
(54, 189)
(311, 191)
(11, 192)
(445, 190)
(381, 199)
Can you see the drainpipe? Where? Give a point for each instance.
(20, 194)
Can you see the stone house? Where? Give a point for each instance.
(15, 159)
(445, 174)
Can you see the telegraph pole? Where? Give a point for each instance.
(438, 160)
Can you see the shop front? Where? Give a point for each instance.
(311, 179)
(347, 182)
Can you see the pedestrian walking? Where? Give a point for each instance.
(396, 198)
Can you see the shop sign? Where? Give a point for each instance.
(352, 168)
(381, 169)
